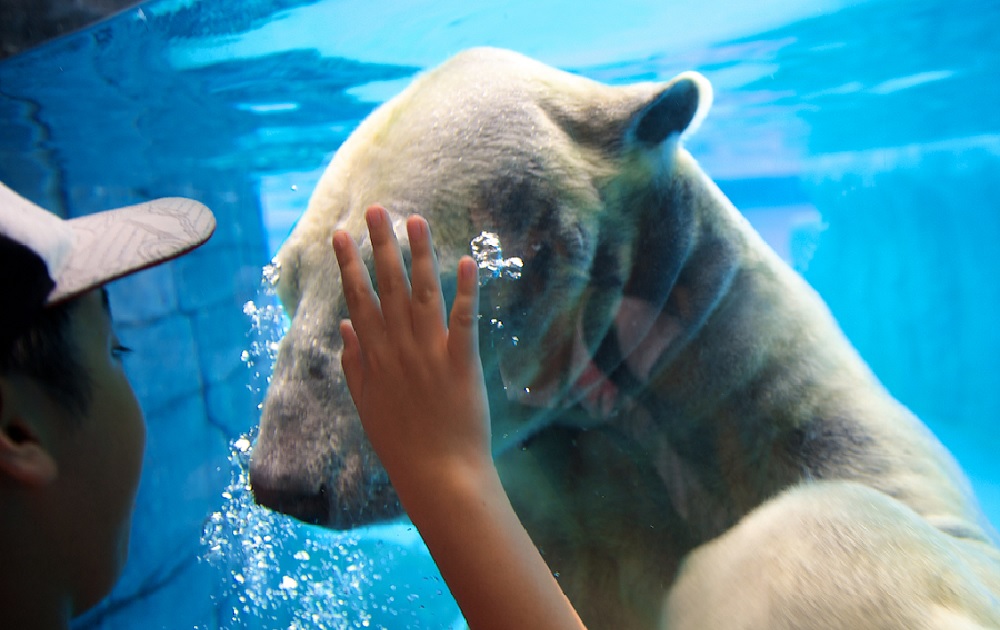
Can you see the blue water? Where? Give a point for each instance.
(861, 138)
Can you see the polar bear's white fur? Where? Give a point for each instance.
(681, 425)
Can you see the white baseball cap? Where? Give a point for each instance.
(45, 259)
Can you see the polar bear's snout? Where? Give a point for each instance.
(340, 485)
(272, 493)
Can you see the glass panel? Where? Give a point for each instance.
(867, 158)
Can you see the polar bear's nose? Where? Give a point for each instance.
(308, 507)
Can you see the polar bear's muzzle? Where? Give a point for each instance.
(341, 485)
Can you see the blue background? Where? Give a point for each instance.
(861, 138)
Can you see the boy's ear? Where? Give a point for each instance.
(25, 457)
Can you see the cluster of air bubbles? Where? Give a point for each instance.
(275, 572)
(268, 325)
(271, 274)
(488, 254)
(487, 251)
(278, 573)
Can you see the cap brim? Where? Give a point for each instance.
(114, 243)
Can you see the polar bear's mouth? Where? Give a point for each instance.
(640, 335)
(580, 382)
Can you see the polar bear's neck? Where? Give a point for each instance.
(761, 389)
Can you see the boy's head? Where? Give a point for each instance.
(71, 433)
(46, 262)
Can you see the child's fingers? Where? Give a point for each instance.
(393, 285)
(427, 305)
(352, 361)
(463, 334)
(362, 303)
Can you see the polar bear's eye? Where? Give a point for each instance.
(538, 266)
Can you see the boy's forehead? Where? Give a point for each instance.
(94, 306)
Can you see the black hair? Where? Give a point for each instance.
(36, 340)
(46, 353)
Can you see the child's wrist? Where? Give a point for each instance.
(447, 487)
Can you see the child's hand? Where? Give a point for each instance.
(418, 386)
(417, 383)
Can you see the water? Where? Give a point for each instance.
(861, 138)
(275, 572)
(268, 324)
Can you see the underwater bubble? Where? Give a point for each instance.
(273, 571)
(268, 324)
(272, 272)
(488, 254)
(267, 562)
(487, 251)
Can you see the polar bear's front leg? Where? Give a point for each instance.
(838, 556)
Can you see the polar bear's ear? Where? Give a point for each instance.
(676, 110)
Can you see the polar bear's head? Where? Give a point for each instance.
(584, 182)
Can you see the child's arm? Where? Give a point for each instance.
(418, 385)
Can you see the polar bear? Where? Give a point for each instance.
(682, 427)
